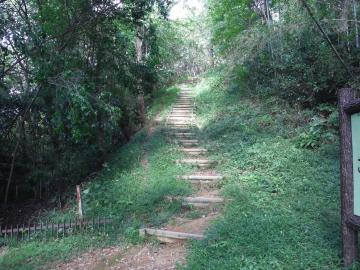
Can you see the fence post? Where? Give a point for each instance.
(29, 228)
(79, 202)
(17, 232)
(64, 224)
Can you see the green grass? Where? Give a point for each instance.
(34, 254)
(129, 189)
(285, 207)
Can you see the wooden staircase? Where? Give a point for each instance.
(180, 128)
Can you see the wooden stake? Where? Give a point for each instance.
(79, 202)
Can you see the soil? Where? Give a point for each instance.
(147, 257)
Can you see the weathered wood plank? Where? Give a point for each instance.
(163, 234)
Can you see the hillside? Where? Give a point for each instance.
(167, 134)
(283, 203)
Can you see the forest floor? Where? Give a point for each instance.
(282, 201)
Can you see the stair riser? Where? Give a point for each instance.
(188, 137)
(169, 236)
(189, 144)
(200, 178)
(201, 205)
(195, 152)
(177, 111)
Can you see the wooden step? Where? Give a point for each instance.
(182, 120)
(175, 129)
(197, 161)
(170, 236)
(180, 117)
(174, 125)
(201, 202)
(188, 116)
(188, 141)
(202, 177)
(189, 144)
(202, 163)
(179, 125)
(194, 151)
(179, 121)
(185, 135)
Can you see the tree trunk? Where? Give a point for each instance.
(139, 60)
(11, 170)
(345, 16)
(101, 137)
(357, 42)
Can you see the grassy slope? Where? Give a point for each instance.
(125, 188)
(284, 212)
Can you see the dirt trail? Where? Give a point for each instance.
(171, 252)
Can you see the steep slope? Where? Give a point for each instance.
(283, 209)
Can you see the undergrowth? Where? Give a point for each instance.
(284, 210)
(132, 188)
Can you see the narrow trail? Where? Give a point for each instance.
(205, 203)
(180, 125)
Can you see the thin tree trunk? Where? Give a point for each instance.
(357, 42)
(11, 170)
(17, 147)
(139, 60)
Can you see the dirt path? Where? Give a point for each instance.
(171, 252)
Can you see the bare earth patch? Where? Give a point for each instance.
(89, 260)
(149, 257)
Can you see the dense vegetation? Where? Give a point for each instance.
(80, 77)
(76, 78)
(278, 49)
(132, 188)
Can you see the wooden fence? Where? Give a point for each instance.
(51, 229)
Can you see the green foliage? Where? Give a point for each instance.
(34, 254)
(81, 57)
(321, 129)
(132, 188)
(283, 53)
(317, 133)
(283, 211)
